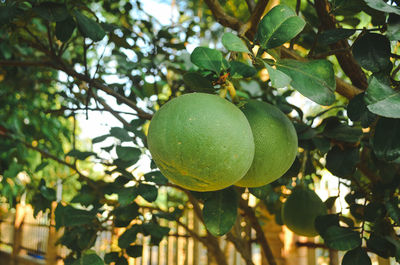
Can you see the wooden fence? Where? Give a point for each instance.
(25, 240)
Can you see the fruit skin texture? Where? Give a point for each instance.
(201, 142)
(275, 143)
(300, 210)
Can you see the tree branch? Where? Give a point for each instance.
(346, 60)
(343, 88)
(250, 5)
(249, 213)
(256, 16)
(95, 83)
(222, 17)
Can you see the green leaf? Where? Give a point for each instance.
(341, 238)
(84, 198)
(13, 170)
(77, 217)
(125, 214)
(89, 257)
(79, 154)
(262, 192)
(65, 28)
(41, 166)
(127, 195)
(198, 83)
(100, 139)
(382, 6)
(7, 14)
(278, 78)
(148, 192)
(386, 141)
(156, 231)
(156, 177)
(207, 58)
(51, 11)
(357, 256)
(121, 134)
(111, 257)
(234, 43)
(241, 70)
(393, 210)
(278, 26)
(357, 111)
(381, 246)
(330, 202)
(48, 193)
(171, 216)
(339, 131)
(382, 100)
(129, 236)
(220, 211)
(127, 153)
(342, 163)
(88, 27)
(393, 31)
(334, 35)
(313, 79)
(134, 251)
(372, 52)
(323, 222)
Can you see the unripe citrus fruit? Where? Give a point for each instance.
(201, 142)
(300, 210)
(275, 143)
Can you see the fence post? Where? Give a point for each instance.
(52, 249)
(18, 221)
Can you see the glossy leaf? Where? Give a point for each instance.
(234, 43)
(323, 222)
(65, 28)
(241, 70)
(121, 134)
(100, 139)
(198, 83)
(386, 141)
(382, 100)
(51, 11)
(382, 6)
(341, 238)
(381, 246)
(357, 256)
(81, 155)
(89, 257)
(339, 131)
(261, 192)
(342, 163)
(148, 192)
(313, 79)
(278, 78)
(127, 195)
(279, 25)
(220, 211)
(357, 111)
(129, 236)
(128, 153)
(156, 177)
(134, 251)
(207, 58)
(372, 52)
(89, 27)
(334, 35)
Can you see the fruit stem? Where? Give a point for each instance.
(223, 92)
(232, 91)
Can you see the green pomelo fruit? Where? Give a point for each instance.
(201, 142)
(300, 210)
(275, 143)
